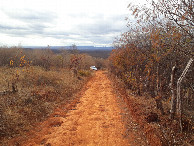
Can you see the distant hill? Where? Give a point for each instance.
(98, 52)
(69, 47)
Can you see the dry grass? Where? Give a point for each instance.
(39, 92)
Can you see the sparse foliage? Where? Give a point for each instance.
(147, 52)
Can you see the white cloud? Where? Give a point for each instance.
(61, 22)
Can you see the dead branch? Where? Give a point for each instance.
(179, 103)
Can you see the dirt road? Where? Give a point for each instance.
(96, 120)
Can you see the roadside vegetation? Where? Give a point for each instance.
(149, 60)
(33, 82)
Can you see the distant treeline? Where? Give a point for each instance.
(94, 53)
(97, 53)
(48, 58)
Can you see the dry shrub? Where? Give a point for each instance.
(39, 92)
(156, 127)
(84, 73)
(101, 63)
(86, 62)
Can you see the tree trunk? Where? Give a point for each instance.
(159, 104)
(173, 98)
(158, 98)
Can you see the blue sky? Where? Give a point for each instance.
(62, 22)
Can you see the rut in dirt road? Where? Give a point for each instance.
(96, 120)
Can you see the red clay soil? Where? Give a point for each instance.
(95, 120)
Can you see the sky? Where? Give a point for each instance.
(62, 22)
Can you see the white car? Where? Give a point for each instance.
(93, 68)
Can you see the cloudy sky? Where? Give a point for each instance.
(62, 22)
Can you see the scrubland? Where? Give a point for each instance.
(154, 62)
(34, 82)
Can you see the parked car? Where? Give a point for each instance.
(93, 68)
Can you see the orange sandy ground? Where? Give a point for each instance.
(96, 120)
